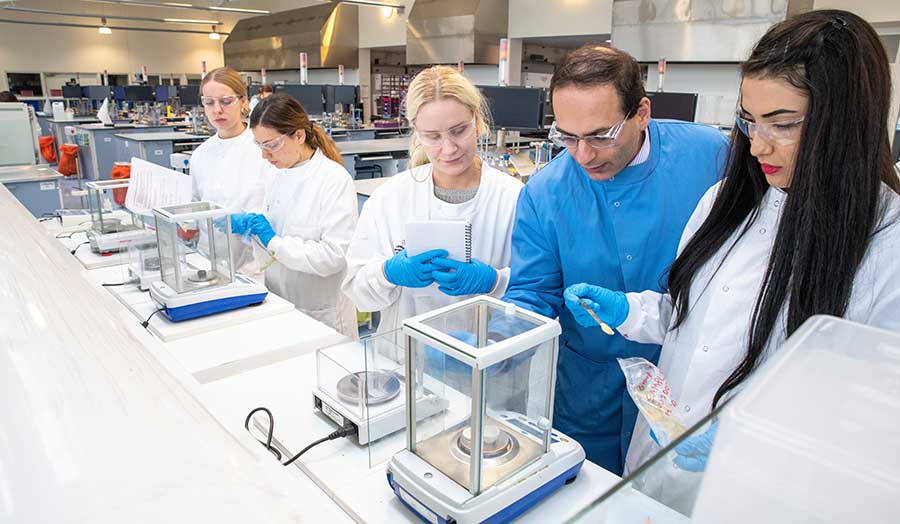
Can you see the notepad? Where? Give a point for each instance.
(453, 235)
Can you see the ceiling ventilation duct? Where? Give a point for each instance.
(449, 31)
(696, 30)
(328, 33)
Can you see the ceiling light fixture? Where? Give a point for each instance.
(175, 5)
(373, 3)
(214, 35)
(387, 12)
(111, 17)
(103, 30)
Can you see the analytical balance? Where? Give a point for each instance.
(144, 265)
(111, 231)
(493, 453)
(361, 383)
(195, 263)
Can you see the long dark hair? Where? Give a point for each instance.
(835, 202)
(284, 114)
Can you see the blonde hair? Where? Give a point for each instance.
(232, 80)
(443, 83)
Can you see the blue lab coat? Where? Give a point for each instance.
(621, 234)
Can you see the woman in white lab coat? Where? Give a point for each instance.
(227, 168)
(447, 181)
(805, 222)
(308, 216)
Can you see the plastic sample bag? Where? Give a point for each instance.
(650, 392)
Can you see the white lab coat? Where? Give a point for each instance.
(698, 357)
(410, 196)
(313, 209)
(231, 172)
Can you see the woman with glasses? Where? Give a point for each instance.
(804, 223)
(309, 213)
(448, 181)
(226, 168)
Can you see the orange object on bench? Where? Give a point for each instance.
(119, 171)
(48, 149)
(68, 166)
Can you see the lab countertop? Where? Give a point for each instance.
(165, 135)
(101, 127)
(12, 174)
(75, 120)
(382, 145)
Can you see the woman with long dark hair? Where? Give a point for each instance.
(805, 221)
(309, 213)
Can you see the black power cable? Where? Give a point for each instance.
(345, 431)
(147, 322)
(78, 246)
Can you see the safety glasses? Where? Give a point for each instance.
(456, 134)
(272, 145)
(781, 133)
(600, 141)
(224, 101)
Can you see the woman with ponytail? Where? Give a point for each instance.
(226, 168)
(447, 181)
(308, 215)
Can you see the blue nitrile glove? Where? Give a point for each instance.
(693, 452)
(457, 278)
(610, 306)
(240, 222)
(406, 271)
(260, 226)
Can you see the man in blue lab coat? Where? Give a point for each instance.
(608, 211)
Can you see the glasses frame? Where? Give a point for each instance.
(768, 130)
(220, 100)
(610, 136)
(445, 135)
(268, 145)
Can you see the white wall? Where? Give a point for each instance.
(30, 48)
(532, 18)
(874, 11)
(717, 84)
(377, 31)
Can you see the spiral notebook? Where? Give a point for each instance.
(453, 235)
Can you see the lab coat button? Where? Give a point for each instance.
(612, 179)
(777, 203)
(762, 231)
(628, 257)
(705, 349)
(725, 289)
(617, 203)
(687, 409)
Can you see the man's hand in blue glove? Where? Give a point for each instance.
(406, 271)
(610, 306)
(240, 222)
(260, 226)
(457, 278)
(693, 452)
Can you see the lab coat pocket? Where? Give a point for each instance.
(582, 389)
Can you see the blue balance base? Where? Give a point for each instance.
(211, 307)
(507, 514)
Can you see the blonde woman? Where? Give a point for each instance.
(447, 181)
(227, 168)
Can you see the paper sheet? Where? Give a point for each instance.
(103, 113)
(153, 186)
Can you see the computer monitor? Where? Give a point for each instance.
(70, 91)
(515, 107)
(119, 92)
(311, 97)
(673, 106)
(97, 92)
(339, 95)
(164, 93)
(139, 93)
(189, 95)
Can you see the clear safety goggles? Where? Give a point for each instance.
(601, 141)
(457, 134)
(781, 133)
(224, 101)
(272, 145)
